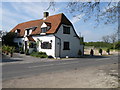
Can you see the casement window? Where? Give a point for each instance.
(28, 31)
(66, 30)
(46, 45)
(66, 46)
(44, 30)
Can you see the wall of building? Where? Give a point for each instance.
(46, 38)
(72, 39)
(19, 40)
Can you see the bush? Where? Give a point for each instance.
(8, 49)
(117, 45)
(100, 51)
(108, 51)
(39, 54)
(27, 52)
(21, 50)
(80, 52)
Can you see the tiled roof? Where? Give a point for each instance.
(55, 21)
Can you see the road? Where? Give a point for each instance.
(10, 71)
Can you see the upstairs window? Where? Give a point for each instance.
(46, 45)
(18, 30)
(66, 30)
(66, 46)
(44, 30)
(28, 32)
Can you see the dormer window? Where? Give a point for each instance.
(17, 32)
(28, 31)
(44, 30)
(45, 27)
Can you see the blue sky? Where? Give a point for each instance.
(14, 13)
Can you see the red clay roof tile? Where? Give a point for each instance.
(55, 21)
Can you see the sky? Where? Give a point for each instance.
(14, 13)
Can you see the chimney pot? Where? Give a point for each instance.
(46, 14)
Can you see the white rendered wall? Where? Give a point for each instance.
(73, 41)
(46, 38)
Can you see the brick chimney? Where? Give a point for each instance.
(46, 14)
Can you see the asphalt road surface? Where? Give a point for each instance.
(10, 71)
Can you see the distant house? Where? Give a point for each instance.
(54, 35)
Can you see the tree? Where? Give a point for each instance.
(106, 39)
(8, 39)
(113, 37)
(105, 12)
(117, 45)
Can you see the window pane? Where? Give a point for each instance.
(66, 30)
(66, 46)
(43, 30)
(46, 45)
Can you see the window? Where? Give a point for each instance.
(46, 45)
(66, 46)
(66, 30)
(27, 31)
(43, 30)
(18, 30)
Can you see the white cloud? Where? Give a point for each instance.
(21, 12)
(77, 18)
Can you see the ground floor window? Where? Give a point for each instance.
(66, 46)
(46, 45)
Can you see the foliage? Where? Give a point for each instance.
(99, 44)
(21, 49)
(110, 38)
(108, 50)
(91, 52)
(39, 54)
(117, 45)
(106, 13)
(100, 51)
(27, 52)
(8, 49)
(80, 52)
(8, 39)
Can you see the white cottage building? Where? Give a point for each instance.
(54, 35)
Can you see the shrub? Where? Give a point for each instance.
(8, 49)
(80, 52)
(39, 54)
(117, 45)
(108, 51)
(27, 52)
(21, 50)
(100, 51)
